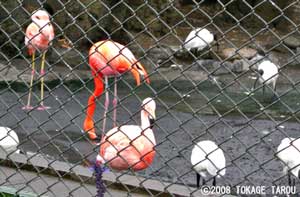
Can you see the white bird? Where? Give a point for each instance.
(130, 146)
(199, 39)
(289, 153)
(9, 140)
(208, 157)
(267, 74)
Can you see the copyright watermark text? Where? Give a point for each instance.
(249, 190)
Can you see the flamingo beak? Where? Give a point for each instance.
(137, 70)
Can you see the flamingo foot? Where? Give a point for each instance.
(27, 107)
(43, 107)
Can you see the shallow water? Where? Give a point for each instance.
(248, 128)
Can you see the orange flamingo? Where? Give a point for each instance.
(109, 59)
(39, 34)
(130, 146)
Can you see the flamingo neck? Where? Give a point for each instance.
(145, 123)
(88, 124)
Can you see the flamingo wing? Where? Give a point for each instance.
(126, 147)
(111, 54)
(32, 32)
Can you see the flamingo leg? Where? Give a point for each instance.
(42, 107)
(28, 106)
(106, 104)
(115, 102)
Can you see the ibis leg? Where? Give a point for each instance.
(289, 179)
(275, 97)
(198, 177)
(214, 181)
(254, 85)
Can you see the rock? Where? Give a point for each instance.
(182, 53)
(295, 60)
(70, 57)
(232, 53)
(145, 14)
(19, 71)
(205, 64)
(185, 54)
(11, 32)
(161, 54)
(241, 65)
(292, 42)
(266, 11)
(223, 68)
(218, 68)
(176, 66)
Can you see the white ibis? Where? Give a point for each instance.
(9, 140)
(289, 153)
(199, 39)
(208, 157)
(267, 74)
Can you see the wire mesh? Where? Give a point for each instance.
(203, 88)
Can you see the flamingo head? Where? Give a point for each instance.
(137, 71)
(149, 107)
(40, 17)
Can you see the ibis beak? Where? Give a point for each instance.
(137, 70)
(152, 118)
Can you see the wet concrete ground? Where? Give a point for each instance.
(188, 111)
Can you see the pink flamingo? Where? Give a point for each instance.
(39, 34)
(130, 146)
(109, 59)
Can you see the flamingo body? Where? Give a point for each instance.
(39, 33)
(127, 146)
(111, 58)
(130, 146)
(107, 59)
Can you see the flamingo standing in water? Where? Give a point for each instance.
(130, 146)
(39, 34)
(109, 59)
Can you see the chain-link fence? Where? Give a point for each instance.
(219, 70)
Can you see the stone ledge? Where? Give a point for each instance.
(81, 173)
